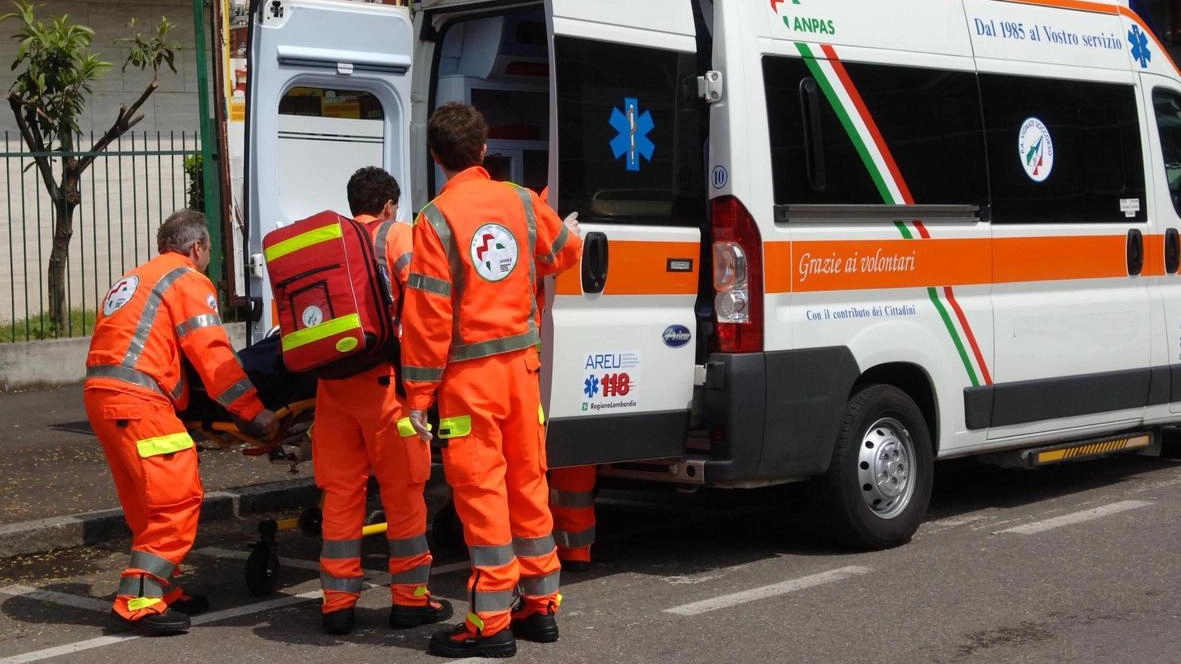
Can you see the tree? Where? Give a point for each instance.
(47, 98)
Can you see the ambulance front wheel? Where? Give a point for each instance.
(878, 485)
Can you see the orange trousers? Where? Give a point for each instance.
(572, 502)
(355, 430)
(154, 464)
(490, 420)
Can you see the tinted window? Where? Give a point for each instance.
(929, 120)
(1062, 151)
(1168, 123)
(630, 136)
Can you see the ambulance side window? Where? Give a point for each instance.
(822, 151)
(630, 141)
(1168, 123)
(1063, 151)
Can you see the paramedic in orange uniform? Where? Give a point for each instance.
(356, 428)
(156, 314)
(469, 339)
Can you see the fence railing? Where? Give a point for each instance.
(126, 194)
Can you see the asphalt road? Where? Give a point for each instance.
(1076, 563)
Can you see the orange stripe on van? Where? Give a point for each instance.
(1154, 256)
(637, 267)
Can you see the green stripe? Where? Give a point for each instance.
(302, 241)
(150, 447)
(850, 128)
(959, 345)
(322, 331)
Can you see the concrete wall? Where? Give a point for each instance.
(173, 107)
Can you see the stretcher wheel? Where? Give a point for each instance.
(262, 566)
(447, 529)
(311, 522)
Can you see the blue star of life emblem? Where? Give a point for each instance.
(632, 139)
(591, 386)
(1139, 40)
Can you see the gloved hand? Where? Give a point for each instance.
(571, 222)
(264, 425)
(421, 426)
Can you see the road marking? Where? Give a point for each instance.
(88, 603)
(1076, 517)
(99, 642)
(763, 592)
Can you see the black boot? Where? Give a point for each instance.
(339, 622)
(536, 627)
(462, 642)
(435, 610)
(155, 624)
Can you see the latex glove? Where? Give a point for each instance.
(264, 425)
(418, 420)
(571, 222)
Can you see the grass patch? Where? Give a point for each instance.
(39, 328)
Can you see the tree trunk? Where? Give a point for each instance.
(63, 230)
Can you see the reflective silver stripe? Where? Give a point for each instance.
(530, 547)
(422, 374)
(380, 239)
(179, 389)
(402, 262)
(495, 346)
(428, 284)
(499, 600)
(575, 540)
(152, 564)
(340, 549)
(125, 374)
(416, 576)
(435, 216)
(148, 316)
(350, 585)
(540, 585)
(410, 546)
(140, 586)
(491, 556)
(235, 391)
(559, 498)
(552, 256)
(531, 224)
(196, 323)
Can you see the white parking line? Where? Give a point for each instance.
(88, 603)
(1076, 517)
(763, 592)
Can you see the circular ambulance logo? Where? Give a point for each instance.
(212, 302)
(1036, 149)
(312, 316)
(120, 294)
(494, 252)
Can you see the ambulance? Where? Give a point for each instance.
(825, 240)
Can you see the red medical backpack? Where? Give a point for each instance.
(332, 295)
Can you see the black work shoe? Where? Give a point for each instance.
(191, 605)
(536, 627)
(339, 622)
(154, 624)
(435, 610)
(460, 642)
(576, 566)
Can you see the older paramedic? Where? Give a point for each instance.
(153, 317)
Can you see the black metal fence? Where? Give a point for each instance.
(126, 194)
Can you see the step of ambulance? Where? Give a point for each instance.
(687, 470)
(1077, 450)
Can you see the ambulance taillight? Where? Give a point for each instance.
(738, 277)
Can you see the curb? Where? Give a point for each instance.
(65, 532)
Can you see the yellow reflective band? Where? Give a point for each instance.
(150, 447)
(475, 620)
(455, 427)
(322, 331)
(303, 241)
(540, 414)
(558, 600)
(420, 591)
(142, 603)
(405, 428)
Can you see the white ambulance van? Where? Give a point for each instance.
(825, 240)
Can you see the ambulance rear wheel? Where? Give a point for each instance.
(878, 485)
(447, 529)
(263, 570)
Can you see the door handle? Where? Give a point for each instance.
(1172, 251)
(1135, 252)
(594, 262)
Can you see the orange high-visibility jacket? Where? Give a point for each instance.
(393, 244)
(151, 316)
(479, 249)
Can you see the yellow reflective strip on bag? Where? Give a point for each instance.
(142, 603)
(150, 447)
(303, 241)
(455, 427)
(476, 620)
(405, 428)
(540, 414)
(420, 591)
(322, 331)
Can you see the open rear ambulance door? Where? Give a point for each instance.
(626, 153)
(329, 92)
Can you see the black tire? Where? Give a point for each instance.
(447, 530)
(263, 570)
(878, 485)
